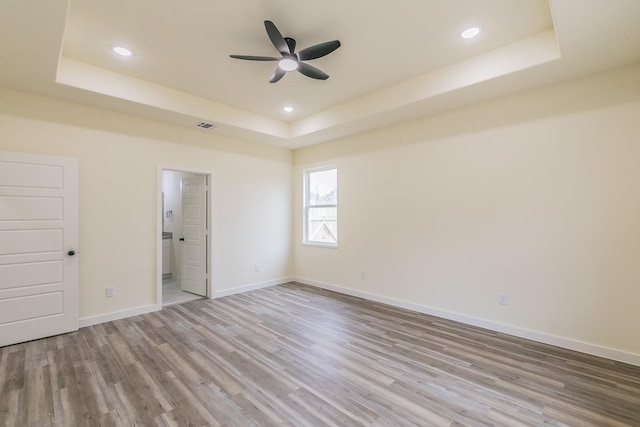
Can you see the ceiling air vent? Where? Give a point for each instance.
(205, 125)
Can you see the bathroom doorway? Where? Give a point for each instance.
(184, 261)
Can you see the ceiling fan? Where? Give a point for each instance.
(290, 61)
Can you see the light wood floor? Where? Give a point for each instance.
(298, 356)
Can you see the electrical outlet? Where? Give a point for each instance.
(503, 299)
(363, 275)
(257, 268)
(110, 292)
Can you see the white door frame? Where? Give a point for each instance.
(160, 213)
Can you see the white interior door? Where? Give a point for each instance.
(38, 245)
(195, 234)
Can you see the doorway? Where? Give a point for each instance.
(184, 219)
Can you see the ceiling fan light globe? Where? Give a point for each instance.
(288, 64)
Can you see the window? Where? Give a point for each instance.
(321, 206)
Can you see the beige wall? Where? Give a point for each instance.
(536, 196)
(119, 157)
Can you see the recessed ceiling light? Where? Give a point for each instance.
(288, 109)
(122, 51)
(288, 64)
(470, 33)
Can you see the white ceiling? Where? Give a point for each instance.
(398, 60)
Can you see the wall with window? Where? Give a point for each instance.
(536, 196)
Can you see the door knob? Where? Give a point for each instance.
(182, 239)
(71, 253)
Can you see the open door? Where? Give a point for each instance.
(195, 234)
(38, 245)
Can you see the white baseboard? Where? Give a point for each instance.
(251, 287)
(94, 320)
(567, 343)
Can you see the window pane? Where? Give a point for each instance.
(323, 187)
(322, 225)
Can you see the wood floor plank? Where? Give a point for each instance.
(9, 407)
(293, 355)
(38, 403)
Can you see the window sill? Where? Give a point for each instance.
(321, 245)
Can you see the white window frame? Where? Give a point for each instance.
(307, 206)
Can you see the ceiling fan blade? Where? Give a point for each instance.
(318, 51)
(276, 38)
(255, 58)
(277, 75)
(291, 43)
(311, 71)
